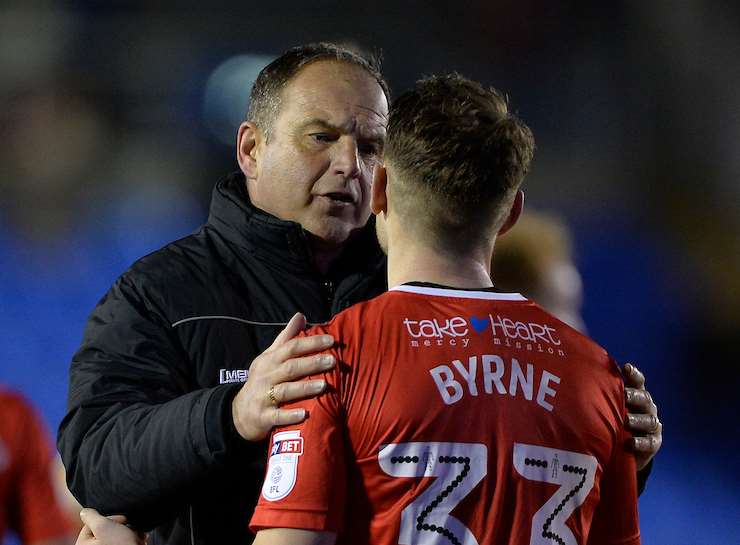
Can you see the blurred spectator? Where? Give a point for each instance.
(535, 258)
(53, 140)
(30, 502)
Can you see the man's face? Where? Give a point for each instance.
(317, 167)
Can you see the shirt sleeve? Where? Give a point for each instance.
(306, 478)
(39, 516)
(615, 519)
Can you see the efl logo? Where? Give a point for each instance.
(282, 465)
(287, 446)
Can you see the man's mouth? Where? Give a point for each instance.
(344, 198)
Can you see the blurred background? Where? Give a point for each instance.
(118, 118)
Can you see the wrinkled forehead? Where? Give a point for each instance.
(340, 94)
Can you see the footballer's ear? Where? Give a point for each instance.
(249, 142)
(378, 191)
(514, 213)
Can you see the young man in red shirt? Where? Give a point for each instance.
(30, 503)
(457, 414)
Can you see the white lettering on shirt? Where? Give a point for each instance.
(545, 389)
(517, 377)
(468, 373)
(454, 380)
(444, 379)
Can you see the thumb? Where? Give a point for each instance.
(634, 377)
(89, 515)
(296, 324)
(97, 522)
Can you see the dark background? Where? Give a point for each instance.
(118, 117)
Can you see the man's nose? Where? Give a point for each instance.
(346, 160)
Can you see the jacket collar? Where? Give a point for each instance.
(277, 241)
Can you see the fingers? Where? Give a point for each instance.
(642, 419)
(86, 536)
(107, 530)
(648, 446)
(303, 346)
(92, 519)
(633, 377)
(89, 514)
(294, 326)
(298, 368)
(640, 401)
(286, 418)
(113, 533)
(273, 380)
(292, 391)
(644, 424)
(253, 409)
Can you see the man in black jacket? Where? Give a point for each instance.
(161, 425)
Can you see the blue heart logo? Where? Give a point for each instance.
(479, 324)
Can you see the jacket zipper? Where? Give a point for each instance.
(328, 286)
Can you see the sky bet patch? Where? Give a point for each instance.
(282, 468)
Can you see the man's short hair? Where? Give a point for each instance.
(264, 100)
(458, 154)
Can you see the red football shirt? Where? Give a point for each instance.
(28, 502)
(458, 417)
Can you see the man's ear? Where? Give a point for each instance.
(249, 142)
(378, 195)
(516, 211)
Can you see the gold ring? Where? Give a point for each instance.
(271, 395)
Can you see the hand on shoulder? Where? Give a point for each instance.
(111, 530)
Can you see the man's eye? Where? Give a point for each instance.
(322, 137)
(368, 149)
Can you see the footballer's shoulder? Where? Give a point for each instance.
(582, 350)
(360, 312)
(359, 322)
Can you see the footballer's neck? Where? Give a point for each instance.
(411, 261)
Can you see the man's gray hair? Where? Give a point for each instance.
(265, 98)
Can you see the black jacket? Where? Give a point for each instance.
(148, 430)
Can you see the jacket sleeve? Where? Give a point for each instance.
(137, 438)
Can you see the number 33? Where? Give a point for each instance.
(459, 467)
